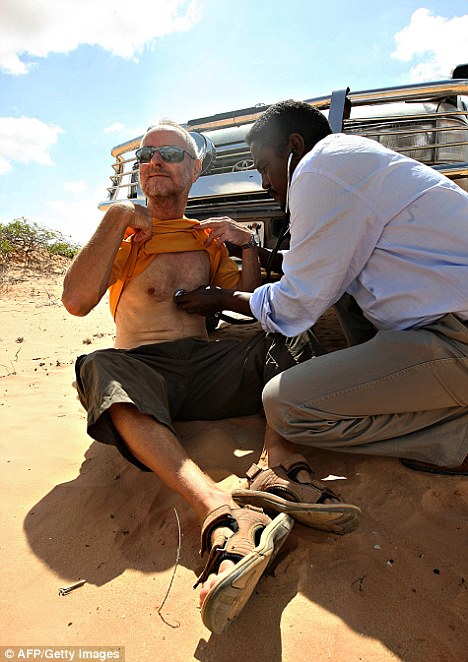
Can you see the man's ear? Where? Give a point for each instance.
(197, 168)
(296, 146)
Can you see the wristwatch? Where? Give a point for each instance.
(253, 243)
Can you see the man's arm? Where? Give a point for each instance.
(333, 234)
(251, 276)
(87, 279)
(207, 300)
(226, 230)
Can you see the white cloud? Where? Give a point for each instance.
(436, 43)
(117, 127)
(77, 218)
(25, 139)
(39, 27)
(74, 187)
(123, 132)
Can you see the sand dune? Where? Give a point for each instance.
(73, 509)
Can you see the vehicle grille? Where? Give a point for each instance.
(434, 139)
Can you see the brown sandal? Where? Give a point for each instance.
(276, 490)
(416, 465)
(249, 538)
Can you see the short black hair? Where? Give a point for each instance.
(282, 119)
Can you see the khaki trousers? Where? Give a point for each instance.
(401, 394)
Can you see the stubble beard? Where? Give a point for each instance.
(164, 194)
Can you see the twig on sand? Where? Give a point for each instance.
(359, 581)
(173, 574)
(53, 299)
(8, 373)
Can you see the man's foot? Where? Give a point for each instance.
(282, 489)
(242, 543)
(461, 470)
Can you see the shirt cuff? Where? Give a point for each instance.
(261, 308)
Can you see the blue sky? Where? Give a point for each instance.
(78, 77)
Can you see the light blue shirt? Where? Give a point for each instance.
(365, 220)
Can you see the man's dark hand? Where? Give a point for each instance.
(202, 301)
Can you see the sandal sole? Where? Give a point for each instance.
(434, 469)
(337, 518)
(229, 596)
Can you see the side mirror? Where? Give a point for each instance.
(460, 71)
(206, 150)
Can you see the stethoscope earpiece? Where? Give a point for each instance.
(286, 209)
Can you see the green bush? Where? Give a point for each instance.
(22, 238)
(6, 247)
(63, 248)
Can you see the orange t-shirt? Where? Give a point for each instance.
(172, 236)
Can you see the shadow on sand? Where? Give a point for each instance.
(391, 580)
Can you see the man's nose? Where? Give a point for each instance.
(156, 159)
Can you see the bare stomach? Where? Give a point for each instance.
(146, 312)
(164, 322)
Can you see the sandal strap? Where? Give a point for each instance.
(230, 533)
(217, 555)
(280, 480)
(295, 463)
(219, 517)
(292, 464)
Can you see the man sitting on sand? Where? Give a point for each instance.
(393, 233)
(163, 367)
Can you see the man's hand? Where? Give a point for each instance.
(224, 229)
(202, 301)
(136, 219)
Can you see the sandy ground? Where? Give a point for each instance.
(72, 509)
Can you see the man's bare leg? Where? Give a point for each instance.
(275, 450)
(158, 448)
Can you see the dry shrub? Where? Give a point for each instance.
(27, 249)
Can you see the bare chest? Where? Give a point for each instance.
(169, 272)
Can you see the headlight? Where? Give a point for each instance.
(439, 136)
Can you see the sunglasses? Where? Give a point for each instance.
(168, 153)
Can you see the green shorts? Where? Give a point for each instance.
(189, 379)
